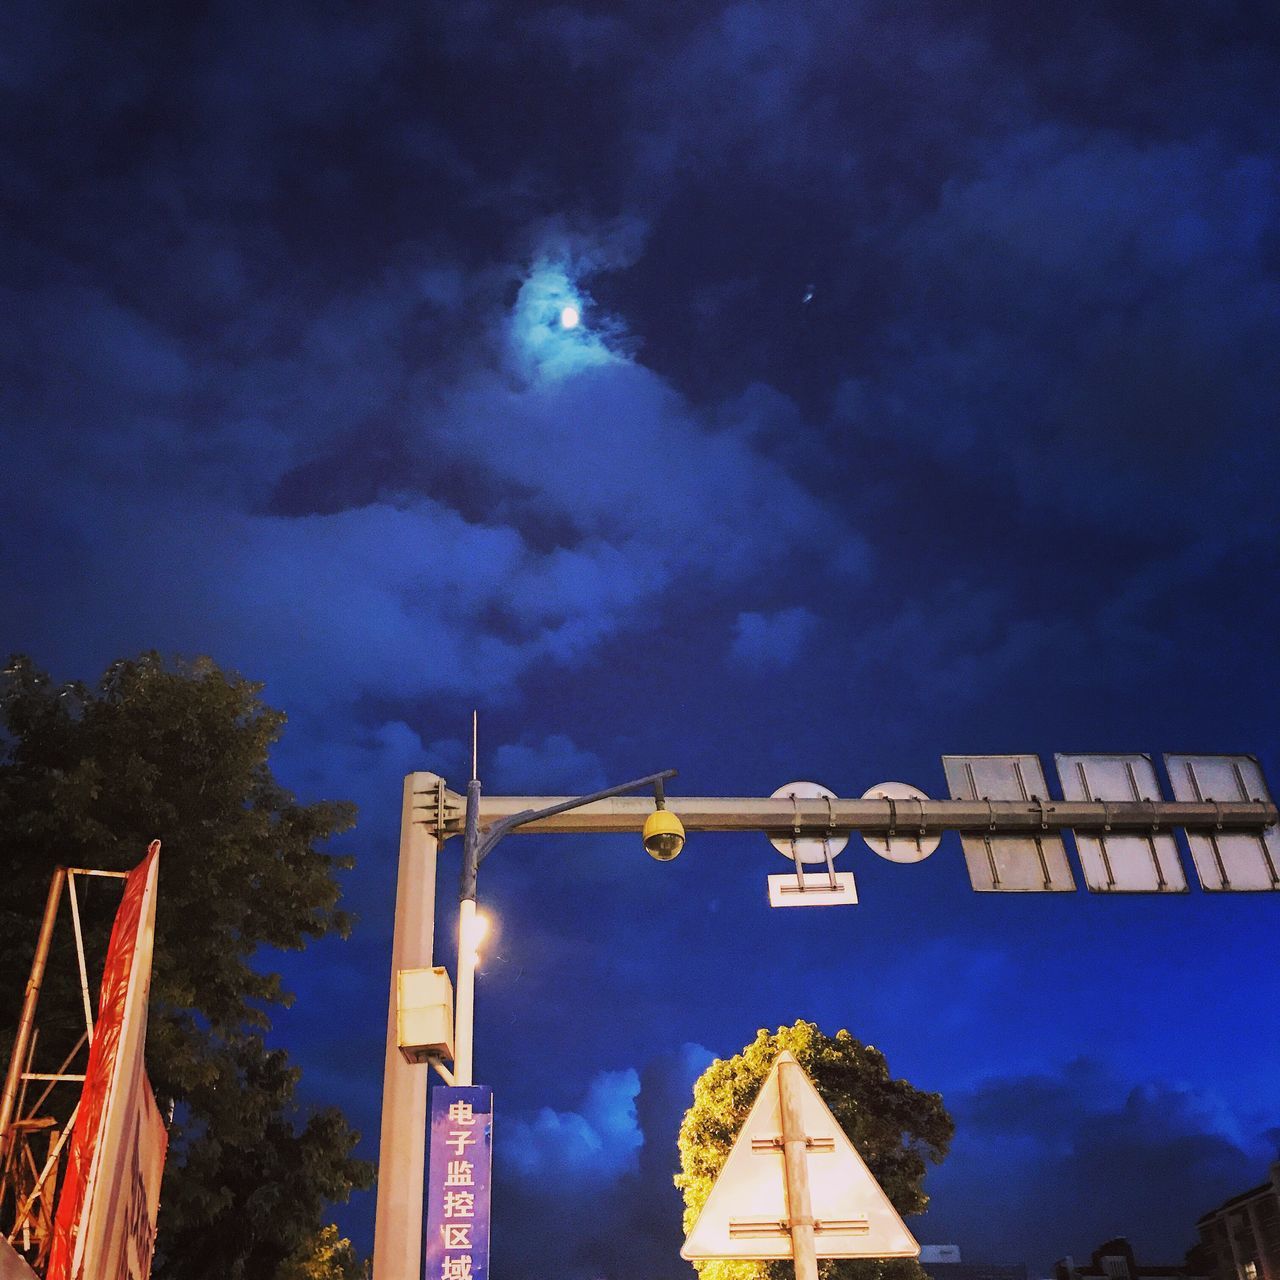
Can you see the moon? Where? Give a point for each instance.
(569, 317)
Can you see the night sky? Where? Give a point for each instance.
(924, 400)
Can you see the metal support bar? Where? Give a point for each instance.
(27, 1018)
(84, 968)
(875, 817)
(19, 1111)
(553, 807)
(45, 1172)
(48, 1089)
(795, 1158)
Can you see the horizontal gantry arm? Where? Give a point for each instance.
(442, 811)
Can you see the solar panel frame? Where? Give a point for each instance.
(1001, 863)
(1121, 862)
(1227, 861)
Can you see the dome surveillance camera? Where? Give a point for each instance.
(663, 835)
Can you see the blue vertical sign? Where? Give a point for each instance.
(458, 1176)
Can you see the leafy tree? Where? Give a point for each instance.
(180, 751)
(327, 1257)
(895, 1127)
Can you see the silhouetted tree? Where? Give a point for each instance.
(179, 751)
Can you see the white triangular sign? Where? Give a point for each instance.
(746, 1215)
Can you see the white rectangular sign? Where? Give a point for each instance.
(785, 890)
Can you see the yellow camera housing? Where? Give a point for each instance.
(663, 835)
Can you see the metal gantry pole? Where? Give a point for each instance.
(881, 817)
(397, 1238)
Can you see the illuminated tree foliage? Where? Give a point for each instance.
(327, 1257)
(896, 1128)
(180, 752)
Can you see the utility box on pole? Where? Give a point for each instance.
(424, 1014)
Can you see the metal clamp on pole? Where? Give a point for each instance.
(795, 842)
(1044, 812)
(826, 846)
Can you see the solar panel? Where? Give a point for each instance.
(1121, 863)
(1008, 863)
(1241, 861)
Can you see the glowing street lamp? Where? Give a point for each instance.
(477, 847)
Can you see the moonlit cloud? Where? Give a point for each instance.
(544, 345)
(599, 1141)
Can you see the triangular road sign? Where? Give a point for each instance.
(746, 1215)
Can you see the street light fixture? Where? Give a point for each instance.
(663, 843)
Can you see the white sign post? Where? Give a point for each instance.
(794, 1186)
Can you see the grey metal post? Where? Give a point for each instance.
(465, 1010)
(402, 1149)
(796, 1160)
(470, 843)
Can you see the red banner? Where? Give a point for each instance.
(105, 1224)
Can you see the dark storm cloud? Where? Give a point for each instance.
(1119, 334)
(771, 640)
(550, 420)
(555, 765)
(594, 1186)
(1143, 1160)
